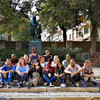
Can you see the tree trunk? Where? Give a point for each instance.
(64, 34)
(9, 37)
(93, 36)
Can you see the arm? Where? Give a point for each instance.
(39, 57)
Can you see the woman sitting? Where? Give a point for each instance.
(34, 74)
(60, 76)
(88, 74)
(48, 74)
(21, 71)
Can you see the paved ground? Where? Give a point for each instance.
(51, 94)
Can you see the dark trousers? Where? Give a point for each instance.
(21, 78)
(75, 78)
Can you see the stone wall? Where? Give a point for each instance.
(95, 59)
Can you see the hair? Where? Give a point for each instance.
(67, 55)
(58, 63)
(55, 57)
(23, 59)
(34, 48)
(7, 60)
(87, 61)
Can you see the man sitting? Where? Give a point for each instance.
(73, 72)
(7, 73)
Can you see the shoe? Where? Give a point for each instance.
(2, 85)
(74, 85)
(45, 84)
(63, 85)
(77, 84)
(8, 85)
(19, 85)
(84, 85)
(51, 85)
(98, 86)
(29, 85)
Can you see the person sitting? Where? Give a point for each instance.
(34, 56)
(47, 55)
(34, 74)
(21, 72)
(88, 74)
(60, 76)
(66, 62)
(42, 62)
(7, 73)
(48, 74)
(73, 72)
(14, 60)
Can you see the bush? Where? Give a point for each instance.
(6, 53)
(81, 57)
(61, 52)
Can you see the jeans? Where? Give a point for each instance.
(49, 80)
(8, 79)
(73, 79)
(21, 78)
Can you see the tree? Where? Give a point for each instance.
(11, 17)
(67, 14)
(90, 9)
(55, 13)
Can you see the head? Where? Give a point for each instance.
(26, 58)
(34, 50)
(8, 62)
(37, 63)
(87, 63)
(22, 61)
(72, 62)
(47, 52)
(56, 59)
(68, 57)
(49, 63)
(42, 59)
(34, 18)
(59, 64)
(13, 56)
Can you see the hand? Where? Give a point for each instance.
(72, 74)
(20, 74)
(5, 74)
(89, 76)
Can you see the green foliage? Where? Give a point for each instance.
(6, 53)
(62, 52)
(81, 57)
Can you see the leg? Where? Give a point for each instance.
(53, 78)
(2, 78)
(77, 77)
(46, 78)
(10, 77)
(23, 78)
(71, 79)
(18, 77)
(93, 81)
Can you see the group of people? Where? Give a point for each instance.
(44, 70)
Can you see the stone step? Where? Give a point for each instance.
(51, 89)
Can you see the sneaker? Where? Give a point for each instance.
(74, 85)
(8, 85)
(2, 85)
(51, 85)
(19, 85)
(45, 84)
(63, 85)
(77, 84)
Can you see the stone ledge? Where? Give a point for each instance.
(72, 98)
(15, 89)
(73, 89)
(96, 98)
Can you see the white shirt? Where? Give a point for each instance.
(69, 68)
(53, 64)
(43, 64)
